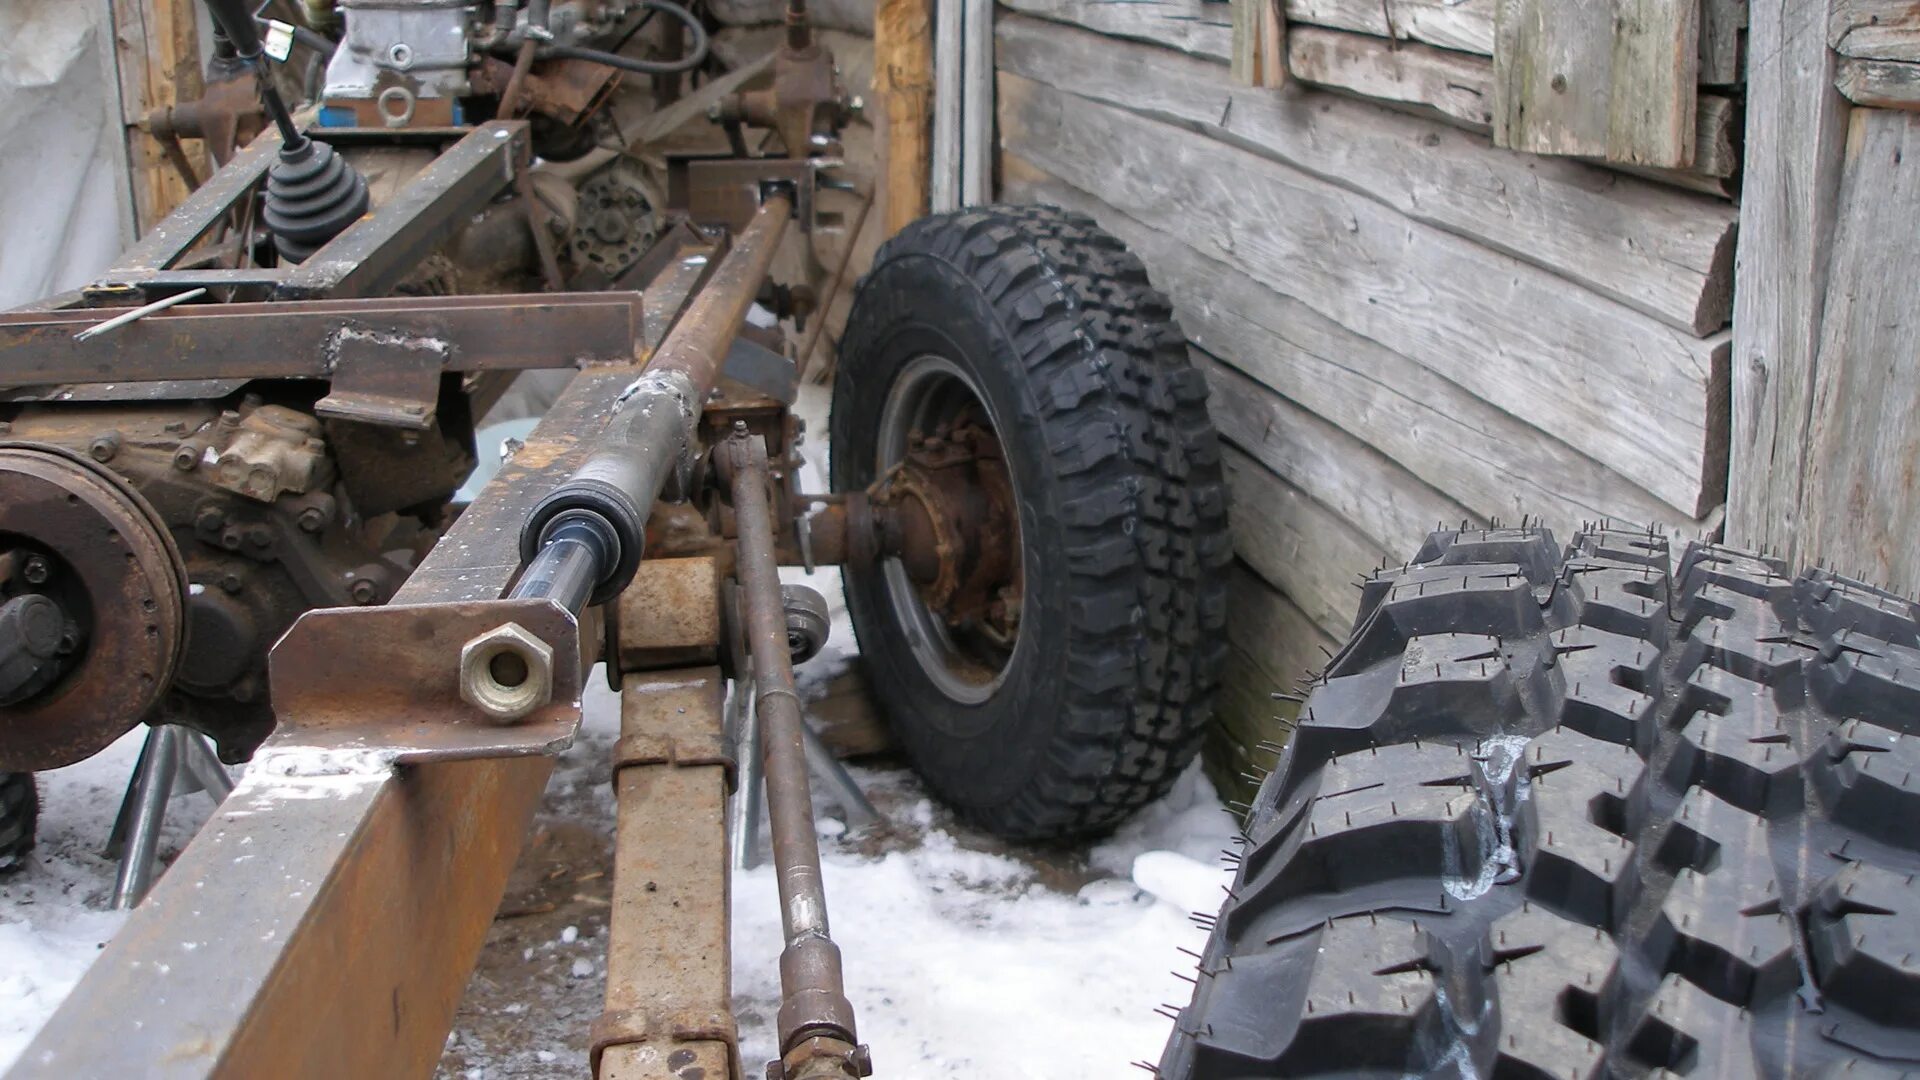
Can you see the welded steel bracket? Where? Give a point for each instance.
(388, 679)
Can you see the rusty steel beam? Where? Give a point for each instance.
(300, 339)
(376, 252)
(669, 995)
(326, 921)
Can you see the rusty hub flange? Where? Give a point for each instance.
(950, 516)
(108, 556)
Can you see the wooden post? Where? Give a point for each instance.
(157, 52)
(947, 62)
(1796, 141)
(903, 77)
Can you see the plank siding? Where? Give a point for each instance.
(1192, 26)
(1862, 494)
(1493, 464)
(1795, 142)
(1659, 252)
(1613, 383)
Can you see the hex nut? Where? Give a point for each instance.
(506, 673)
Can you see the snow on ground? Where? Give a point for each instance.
(54, 913)
(964, 956)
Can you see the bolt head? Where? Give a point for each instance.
(104, 447)
(506, 673)
(312, 519)
(186, 458)
(364, 591)
(37, 571)
(230, 582)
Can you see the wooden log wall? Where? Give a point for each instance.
(1402, 324)
(1825, 450)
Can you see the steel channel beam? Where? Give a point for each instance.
(375, 253)
(174, 235)
(296, 339)
(325, 925)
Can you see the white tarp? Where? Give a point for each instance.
(63, 208)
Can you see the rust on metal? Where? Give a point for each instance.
(670, 615)
(301, 339)
(669, 997)
(816, 1024)
(87, 541)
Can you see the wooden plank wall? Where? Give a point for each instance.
(1402, 325)
(1825, 451)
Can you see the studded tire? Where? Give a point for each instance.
(1122, 516)
(1573, 815)
(19, 814)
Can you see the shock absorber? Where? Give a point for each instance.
(312, 193)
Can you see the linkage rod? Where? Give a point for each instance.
(816, 1020)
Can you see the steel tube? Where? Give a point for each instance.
(652, 428)
(813, 999)
(152, 788)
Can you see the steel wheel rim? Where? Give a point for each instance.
(931, 387)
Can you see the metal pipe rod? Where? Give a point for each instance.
(153, 786)
(814, 1004)
(652, 429)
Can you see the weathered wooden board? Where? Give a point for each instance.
(1283, 532)
(1723, 42)
(1192, 26)
(1615, 384)
(903, 80)
(1875, 29)
(1795, 144)
(1862, 495)
(1377, 499)
(157, 53)
(1462, 25)
(1482, 456)
(1271, 647)
(1613, 79)
(1455, 84)
(1259, 44)
(1663, 252)
(857, 16)
(1882, 84)
(1460, 88)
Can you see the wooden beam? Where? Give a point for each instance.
(1656, 250)
(1461, 25)
(1453, 84)
(1493, 463)
(1190, 26)
(1723, 42)
(1259, 44)
(903, 79)
(1882, 84)
(1613, 383)
(1875, 29)
(157, 52)
(1616, 80)
(1861, 504)
(1795, 143)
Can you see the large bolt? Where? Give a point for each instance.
(104, 446)
(506, 673)
(186, 457)
(313, 519)
(209, 519)
(364, 591)
(37, 571)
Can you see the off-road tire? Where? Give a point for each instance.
(1123, 516)
(19, 813)
(1578, 816)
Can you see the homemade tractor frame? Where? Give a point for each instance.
(226, 481)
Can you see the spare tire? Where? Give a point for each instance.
(1577, 816)
(1012, 365)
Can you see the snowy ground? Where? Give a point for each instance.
(964, 956)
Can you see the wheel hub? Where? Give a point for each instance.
(81, 551)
